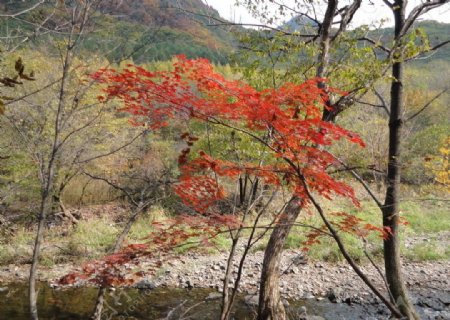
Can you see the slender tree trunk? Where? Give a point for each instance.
(98, 309)
(46, 205)
(270, 306)
(324, 56)
(229, 294)
(226, 298)
(47, 185)
(393, 266)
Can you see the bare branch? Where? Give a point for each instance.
(23, 11)
(34, 92)
(113, 151)
(366, 253)
(299, 13)
(347, 13)
(419, 10)
(375, 43)
(439, 45)
(383, 101)
(115, 186)
(363, 183)
(372, 105)
(222, 23)
(427, 104)
(344, 252)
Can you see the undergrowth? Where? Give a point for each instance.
(92, 238)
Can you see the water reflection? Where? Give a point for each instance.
(161, 303)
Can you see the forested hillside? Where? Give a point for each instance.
(145, 30)
(155, 165)
(156, 30)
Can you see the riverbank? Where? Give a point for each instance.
(429, 282)
(321, 277)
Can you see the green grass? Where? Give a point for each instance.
(97, 235)
(429, 251)
(143, 225)
(424, 219)
(91, 239)
(18, 248)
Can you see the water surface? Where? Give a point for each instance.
(130, 303)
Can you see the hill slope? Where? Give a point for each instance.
(144, 29)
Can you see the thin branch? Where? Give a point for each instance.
(432, 51)
(427, 104)
(23, 11)
(222, 23)
(115, 186)
(373, 105)
(383, 101)
(366, 253)
(364, 184)
(34, 92)
(264, 26)
(344, 252)
(115, 150)
(419, 10)
(375, 43)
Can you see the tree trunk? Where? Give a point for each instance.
(270, 306)
(45, 208)
(98, 309)
(226, 297)
(329, 114)
(391, 217)
(324, 56)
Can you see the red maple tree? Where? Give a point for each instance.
(286, 121)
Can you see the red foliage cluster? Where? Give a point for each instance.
(199, 192)
(286, 121)
(289, 115)
(120, 268)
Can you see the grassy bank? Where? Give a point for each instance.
(425, 238)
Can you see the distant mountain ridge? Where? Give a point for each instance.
(299, 23)
(150, 30)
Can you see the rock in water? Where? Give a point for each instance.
(145, 285)
(251, 300)
(213, 296)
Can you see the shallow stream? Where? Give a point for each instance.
(130, 303)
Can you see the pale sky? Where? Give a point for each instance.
(366, 15)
